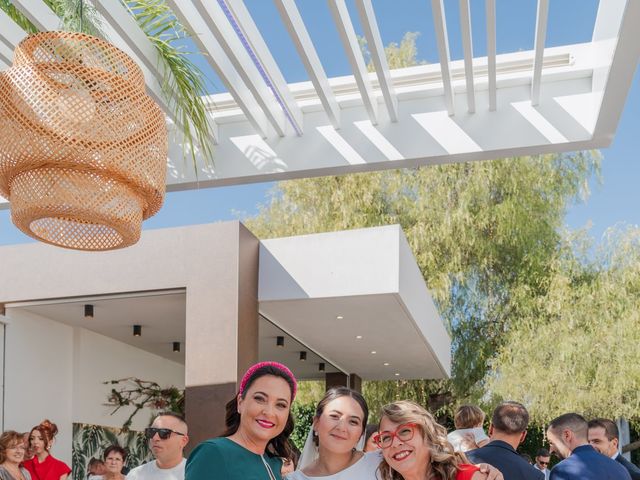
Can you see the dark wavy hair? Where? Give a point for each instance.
(278, 446)
(48, 431)
(337, 392)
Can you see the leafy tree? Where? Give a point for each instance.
(483, 234)
(577, 348)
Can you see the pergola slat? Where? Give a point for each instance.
(122, 28)
(541, 34)
(205, 40)
(378, 56)
(467, 46)
(352, 48)
(10, 32)
(238, 54)
(45, 19)
(302, 41)
(490, 9)
(268, 63)
(440, 25)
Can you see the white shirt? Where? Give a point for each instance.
(455, 438)
(364, 469)
(151, 471)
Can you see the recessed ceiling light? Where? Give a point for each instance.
(339, 317)
(303, 356)
(373, 352)
(137, 330)
(358, 337)
(279, 341)
(88, 311)
(386, 364)
(176, 347)
(397, 374)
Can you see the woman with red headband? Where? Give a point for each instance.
(43, 466)
(258, 422)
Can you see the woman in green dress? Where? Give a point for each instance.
(258, 422)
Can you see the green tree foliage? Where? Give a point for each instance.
(482, 234)
(577, 348)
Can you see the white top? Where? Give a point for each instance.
(455, 438)
(364, 469)
(151, 471)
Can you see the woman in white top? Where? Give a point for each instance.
(330, 452)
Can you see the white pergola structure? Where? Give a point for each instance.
(529, 102)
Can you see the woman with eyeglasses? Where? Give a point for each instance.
(258, 424)
(43, 466)
(332, 450)
(11, 456)
(415, 447)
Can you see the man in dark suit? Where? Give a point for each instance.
(605, 438)
(567, 436)
(508, 429)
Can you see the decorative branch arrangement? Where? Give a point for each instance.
(141, 394)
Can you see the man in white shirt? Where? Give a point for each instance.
(542, 462)
(168, 435)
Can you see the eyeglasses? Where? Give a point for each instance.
(543, 463)
(404, 433)
(163, 433)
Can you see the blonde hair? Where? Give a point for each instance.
(444, 460)
(468, 416)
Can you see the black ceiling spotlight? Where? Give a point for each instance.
(176, 347)
(303, 356)
(321, 367)
(88, 311)
(137, 330)
(279, 341)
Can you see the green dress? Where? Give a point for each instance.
(223, 459)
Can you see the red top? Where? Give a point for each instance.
(50, 468)
(465, 472)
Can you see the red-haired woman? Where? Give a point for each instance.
(43, 466)
(11, 455)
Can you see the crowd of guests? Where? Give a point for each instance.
(407, 444)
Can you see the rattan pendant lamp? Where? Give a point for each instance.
(83, 148)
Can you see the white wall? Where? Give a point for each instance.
(56, 371)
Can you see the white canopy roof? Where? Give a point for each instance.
(545, 100)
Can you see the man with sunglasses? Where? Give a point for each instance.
(167, 435)
(542, 462)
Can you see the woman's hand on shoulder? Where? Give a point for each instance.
(487, 472)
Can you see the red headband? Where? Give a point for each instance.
(247, 376)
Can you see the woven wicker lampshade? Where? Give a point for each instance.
(83, 148)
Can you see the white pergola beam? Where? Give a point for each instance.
(440, 25)
(352, 48)
(302, 41)
(233, 48)
(490, 10)
(39, 14)
(541, 35)
(11, 34)
(45, 19)
(267, 62)
(378, 56)
(467, 46)
(190, 18)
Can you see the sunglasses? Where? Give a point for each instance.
(543, 463)
(404, 433)
(163, 433)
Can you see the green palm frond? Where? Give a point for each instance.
(23, 22)
(77, 16)
(184, 87)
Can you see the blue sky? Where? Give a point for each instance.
(614, 201)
